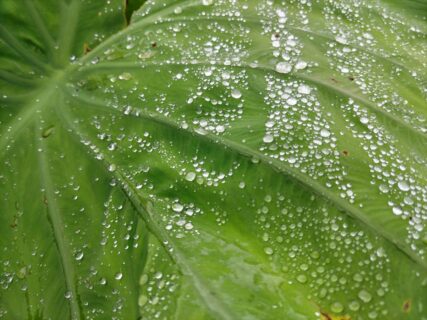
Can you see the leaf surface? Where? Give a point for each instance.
(213, 160)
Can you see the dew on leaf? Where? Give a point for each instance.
(190, 176)
(337, 307)
(283, 67)
(365, 296)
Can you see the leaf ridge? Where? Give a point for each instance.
(57, 226)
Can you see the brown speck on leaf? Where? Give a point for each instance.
(334, 80)
(154, 45)
(326, 316)
(351, 78)
(45, 200)
(407, 306)
(345, 153)
(86, 48)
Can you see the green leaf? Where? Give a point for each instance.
(213, 160)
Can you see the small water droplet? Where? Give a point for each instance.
(268, 251)
(79, 256)
(300, 65)
(364, 120)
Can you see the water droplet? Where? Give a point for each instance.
(125, 76)
(403, 185)
(384, 188)
(220, 129)
(301, 65)
(365, 296)
(190, 176)
(337, 307)
(303, 89)
(364, 120)
(268, 138)
(397, 210)
(177, 207)
(242, 185)
(112, 167)
(354, 306)
(325, 133)
(142, 300)
(268, 251)
(269, 124)
(118, 276)
(302, 278)
(283, 67)
(236, 94)
(207, 2)
(341, 39)
(79, 256)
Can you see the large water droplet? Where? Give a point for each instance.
(236, 94)
(365, 296)
(283, 67)
(268, 138)
(403, 185)
(190, 176)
